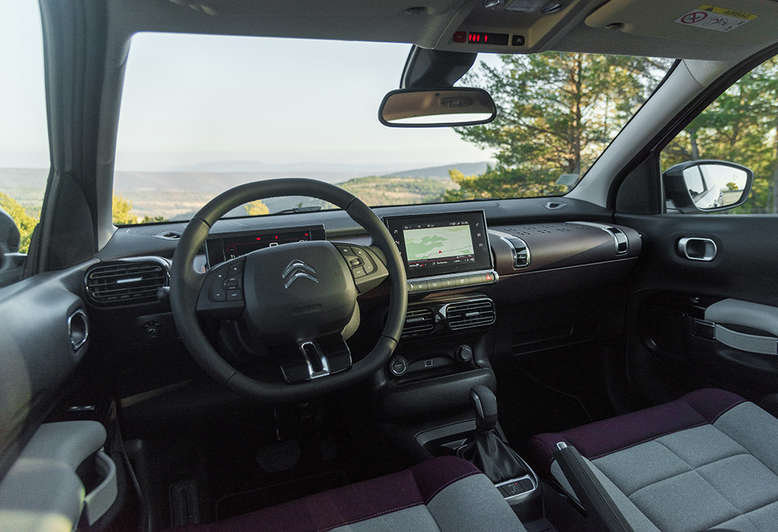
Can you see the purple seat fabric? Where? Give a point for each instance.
(609, 435)
(353, 503)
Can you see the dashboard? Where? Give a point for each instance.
(508, 276)
(516, 250)
(445, 247)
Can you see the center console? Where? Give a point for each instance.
(437, 395)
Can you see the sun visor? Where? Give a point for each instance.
(738, 24)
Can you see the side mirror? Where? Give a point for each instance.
(436, 107)
(11, 261)
(9, 234)
(707, 186)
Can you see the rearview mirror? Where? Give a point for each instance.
(436, 108)
(707, 185)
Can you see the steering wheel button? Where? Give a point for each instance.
(356, 261)
(234, 295)
(359, 271)
(231, 283)
(346, 250)
(218, 295)
(235, 268)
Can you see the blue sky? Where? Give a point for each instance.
(209, 102)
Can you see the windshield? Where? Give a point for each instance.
(201, 114)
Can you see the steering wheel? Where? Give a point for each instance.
(299, 300)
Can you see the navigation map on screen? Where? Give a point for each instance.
(430, 243)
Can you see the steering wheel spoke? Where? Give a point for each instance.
(222, 293)
(315, 359)
(367, 267)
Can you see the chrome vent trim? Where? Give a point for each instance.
(620, 238)
(519, 251)
(418, 321)
(126, 282)
(469, 314)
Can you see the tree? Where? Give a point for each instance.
(739, 126)
(499, 183)
(256, 208)
(24, 221)
(556, 113)
(122, 211)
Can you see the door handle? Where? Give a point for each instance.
(697, 248)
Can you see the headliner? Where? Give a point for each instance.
(642, 27)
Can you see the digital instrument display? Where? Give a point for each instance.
(440, 244)
(232, 245)
(480, 37)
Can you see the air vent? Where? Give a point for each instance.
(470, 314)
(126, 282)
(418, 321)
(519, 250)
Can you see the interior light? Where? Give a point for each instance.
(525, 6)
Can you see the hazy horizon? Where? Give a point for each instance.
(198, 100)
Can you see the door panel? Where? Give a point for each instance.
(693, 323)
(36, 352)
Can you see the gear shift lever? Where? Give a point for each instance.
(485, 405)
(485, 447)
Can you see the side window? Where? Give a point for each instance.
(24, 148)
(738, 127)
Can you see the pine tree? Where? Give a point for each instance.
(556, 113)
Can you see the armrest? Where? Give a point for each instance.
(744, 314)
(42, 491)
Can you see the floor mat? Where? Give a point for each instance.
(256, 499)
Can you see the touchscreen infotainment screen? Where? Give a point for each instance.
(449, 244)
(439, 244)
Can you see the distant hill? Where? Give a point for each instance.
(441, 172)
(176, 195)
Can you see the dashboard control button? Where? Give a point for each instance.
(398, 366)
(218, 295)
(465, 353)
(234, 295)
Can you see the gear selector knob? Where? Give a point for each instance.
(485, 405)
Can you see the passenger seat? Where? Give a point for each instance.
(708, 460)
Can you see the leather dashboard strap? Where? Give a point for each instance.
(603, 512)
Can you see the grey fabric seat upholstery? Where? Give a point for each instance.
(439, 495)
(708, 461)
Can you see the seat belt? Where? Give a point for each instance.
(602, 510)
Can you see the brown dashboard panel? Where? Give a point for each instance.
(559, 245)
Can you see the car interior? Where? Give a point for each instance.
(599, 352)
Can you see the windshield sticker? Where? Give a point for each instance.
(715, 18)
